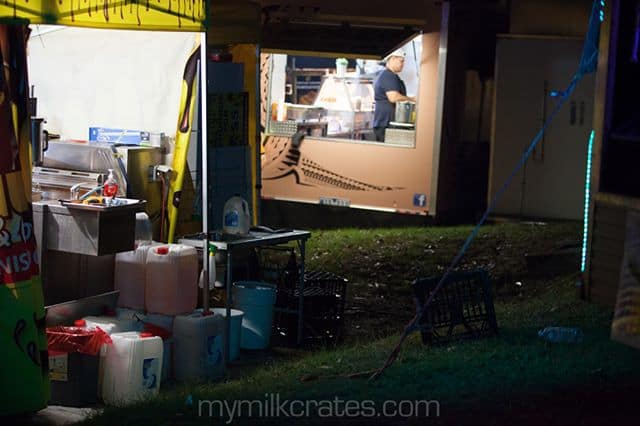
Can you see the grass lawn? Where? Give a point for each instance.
(513, 378)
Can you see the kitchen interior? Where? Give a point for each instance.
(332, 97)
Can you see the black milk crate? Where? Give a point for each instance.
(324, 297)
(323, 309)
(461, 309)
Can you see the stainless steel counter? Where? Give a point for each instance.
(83, 230)
(76, 247)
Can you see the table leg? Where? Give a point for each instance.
(227, 305)
(205, 275)
(301, 293)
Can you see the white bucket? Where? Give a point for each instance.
(256, 300)
(133, 364)
(236, 326)
(198, 344)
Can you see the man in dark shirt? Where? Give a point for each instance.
(388, 89)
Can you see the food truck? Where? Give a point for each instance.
(339, 162)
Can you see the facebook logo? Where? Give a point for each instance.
(420, 200)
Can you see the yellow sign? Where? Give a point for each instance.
(159, 15)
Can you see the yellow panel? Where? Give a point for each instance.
(161, 15)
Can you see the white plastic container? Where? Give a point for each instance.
(112, 325)
(129, 277)
(132, 368)
(236, 328)
(236, 218)
(198, 344)
(341, 67)
(144, 229)
(171, 279)
(211, 269)
(256, 300)
(165, 322)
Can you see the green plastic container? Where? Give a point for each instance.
(24, 367)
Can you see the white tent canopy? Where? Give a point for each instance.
(122, 79)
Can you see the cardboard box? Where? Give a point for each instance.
(120, 136)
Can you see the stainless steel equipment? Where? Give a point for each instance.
(78, 245)
(66, 164)
(66, 312)
(39, 140)
(139, 162)
(349, 105)
(83, 167)
(397, 136)
(302, 113)
(88, 229)
(405, 112)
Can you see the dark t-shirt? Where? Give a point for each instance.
(385, 110)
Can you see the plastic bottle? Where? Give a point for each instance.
(110, 188)
(236, 218)
(212, 268)
(561, 334)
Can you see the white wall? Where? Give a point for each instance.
(410, 73)
(111, 78)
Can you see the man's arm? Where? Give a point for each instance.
(395, 96)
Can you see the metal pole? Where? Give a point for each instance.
(301, 295)
(227, 304)
(205, 185)
(257, 207)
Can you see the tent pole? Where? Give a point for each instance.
(205, 185)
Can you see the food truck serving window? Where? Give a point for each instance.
(334, 98)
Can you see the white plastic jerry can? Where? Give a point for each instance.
(171, 279)
(198, 346)
(129, 276)
(133, 367)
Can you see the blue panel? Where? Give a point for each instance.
(225, 77)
